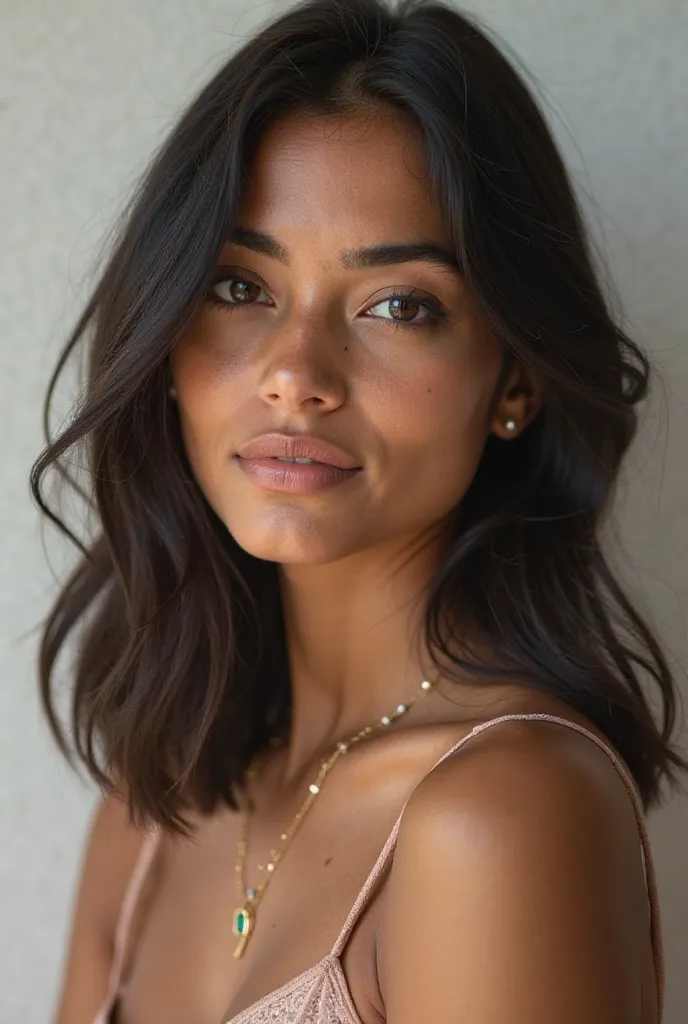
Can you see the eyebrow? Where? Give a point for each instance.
(425, 251)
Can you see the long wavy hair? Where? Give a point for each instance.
(181, 673)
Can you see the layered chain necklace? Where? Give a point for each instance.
(245, 915)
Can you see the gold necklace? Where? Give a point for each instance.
(244, 922)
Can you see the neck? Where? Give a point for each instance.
(354, 641)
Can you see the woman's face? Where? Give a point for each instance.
(311, 341)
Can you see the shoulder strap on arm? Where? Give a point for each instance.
(142, 866)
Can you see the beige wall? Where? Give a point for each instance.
(87, 88)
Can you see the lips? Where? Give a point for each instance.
(293, 446)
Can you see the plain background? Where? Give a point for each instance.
(87, 91)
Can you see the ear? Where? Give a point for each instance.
(520, 402)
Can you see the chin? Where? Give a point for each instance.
(291, 536)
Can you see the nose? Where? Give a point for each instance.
(300, 369)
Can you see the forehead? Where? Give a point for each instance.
(353, 176)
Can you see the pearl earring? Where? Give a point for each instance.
(510, 425)
(173, 392)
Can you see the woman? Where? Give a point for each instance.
(355, 408)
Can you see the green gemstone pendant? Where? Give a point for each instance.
(242, 927)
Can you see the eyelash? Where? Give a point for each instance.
(436, 314)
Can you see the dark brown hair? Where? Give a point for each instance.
(181, 673)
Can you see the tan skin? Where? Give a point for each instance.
(516, 894)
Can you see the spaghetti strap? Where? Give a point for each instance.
(650, 877)
(142, 866)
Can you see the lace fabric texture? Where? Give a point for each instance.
(321, 995)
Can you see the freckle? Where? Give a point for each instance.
(429, 391)
(328, 861)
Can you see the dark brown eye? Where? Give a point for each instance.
(408, 310)
(404, 309)
(229, 291)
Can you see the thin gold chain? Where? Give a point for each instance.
(244, 915)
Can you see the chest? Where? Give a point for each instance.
(180, 963)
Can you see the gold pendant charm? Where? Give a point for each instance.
(242, 926)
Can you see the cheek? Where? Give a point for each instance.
(436, 420)
(206, 388)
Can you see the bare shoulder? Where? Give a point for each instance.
(110, 854)
(528, 766)
(517, 888)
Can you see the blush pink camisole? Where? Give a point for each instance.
(320, 995)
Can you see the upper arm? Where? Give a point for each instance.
(110, 854)
(517, 893)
